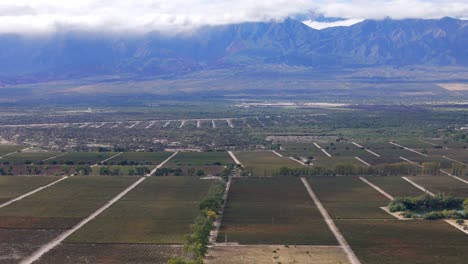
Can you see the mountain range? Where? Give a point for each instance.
(439, 42)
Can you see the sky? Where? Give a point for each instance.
(46, 16)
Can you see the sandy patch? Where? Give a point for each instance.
(269, 254)
(455, 87)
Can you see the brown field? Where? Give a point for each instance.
(111, 254)
(15, 244)
(276, 254)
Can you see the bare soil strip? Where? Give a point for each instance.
(162, 164)
(409, 149)
(299, 161)
(410, 161)
(453, 176)
(116, 125)
(198, 123)
(150, 124)
(377, 188)
(217, 224)
(336, 232)
(277, 154)
(418, 186)
(447, 158)
(235, 158)
(368, 150)
(213, 123)
(49, 246)
(230, 124)
(427, 142)
(32, 192)
(182, 124)
(167, 124)
(134, 124)
(324, 151)
(54, 157)
(364, 162)
(116, 155)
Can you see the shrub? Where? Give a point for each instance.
(433, 216)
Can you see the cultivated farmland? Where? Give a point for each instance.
(81, 158)
(264, 163)
(405, 242)
(272, 211)
(442, 184)
(349, 198)
(62, 205)
(139, 158)
(159, 211)
(14, 186)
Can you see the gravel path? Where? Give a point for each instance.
(336, 232)
(235, 158)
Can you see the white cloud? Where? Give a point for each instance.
(39, 16)
(342, 23)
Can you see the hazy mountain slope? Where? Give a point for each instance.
(386, 42)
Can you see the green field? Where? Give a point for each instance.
(272, 211)
(139, 158)
(14, 186)
(349, 198)
(28, 157)
(442, 184)
(301, 149)
(81, 158)
(120, 170)
(6, 149)
(64, 204)
(405, 242)
(395, 186)
(264, 163)
(159, 211)
(200, 159)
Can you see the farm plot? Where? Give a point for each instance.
(453, 155)
(111, 253)
(120, 170)
(349, 198)
(272, 211)
(81, 158)
(442, 185)
(342, 149)
(14, 186)
(200, 159)
(445, 143)
(64, 204)
(27, 158)
(301, 150)
(388, 153)
(334, 161)
(6, 149)
(198, 163)
(159, 211)
(405, 242)
(280, 254)
(395, 186)
(139, 158)
(264, 163)
(16, 244)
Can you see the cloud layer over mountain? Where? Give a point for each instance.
(44, 16)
